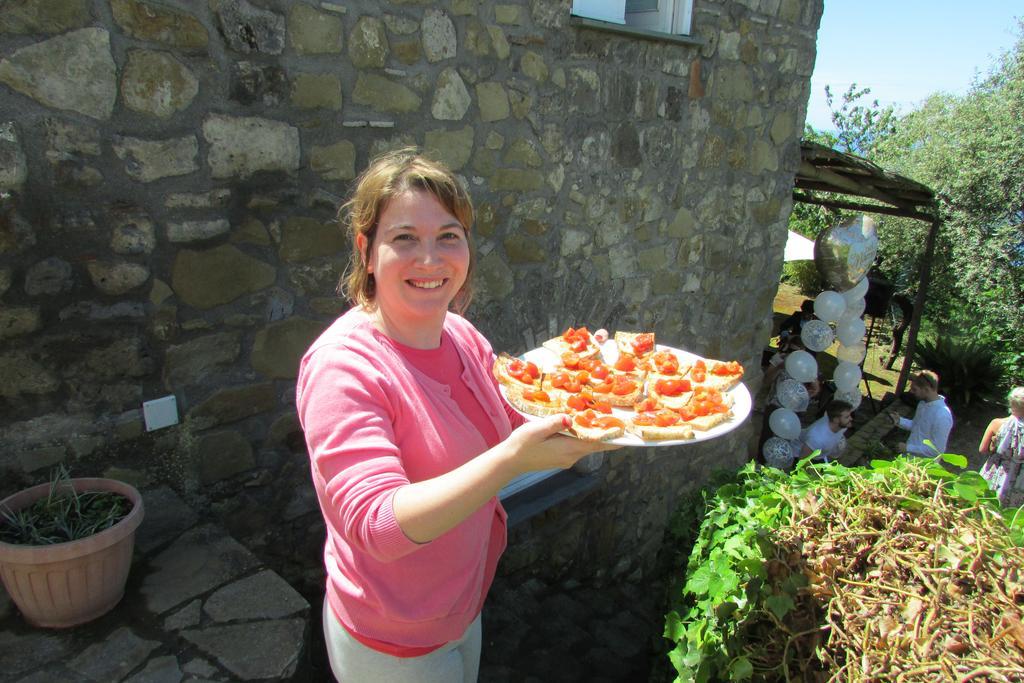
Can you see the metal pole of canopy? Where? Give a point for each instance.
(922, 291)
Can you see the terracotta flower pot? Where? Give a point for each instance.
(66, 584)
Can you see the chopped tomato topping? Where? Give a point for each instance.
(625, 363)
(576, 402)
(589, 418)
(698, 374)
(578, 339)
(645, 419)
(559, 379)
(643, 343)
(599, 371)
(604, 387)
(570, 360)
(672, 387)
(727, 369)
(523, 371)
(622, 387)
(645, 405)
(666, 418)
(603, 407)
(538, 396)
(666, 362)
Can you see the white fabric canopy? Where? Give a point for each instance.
(799, 248)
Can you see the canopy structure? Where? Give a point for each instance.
(841, 180)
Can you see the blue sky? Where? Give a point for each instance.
(905, 50)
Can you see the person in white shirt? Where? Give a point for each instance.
(933, 420)
(827, 433)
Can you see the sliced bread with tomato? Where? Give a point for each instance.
(577, 340)
(669, 392)
(620, 389)
(535, 402)
(707, 408)
(721, 375)
(637, 344)
(516, 373)
(590, 425)
(659, 425)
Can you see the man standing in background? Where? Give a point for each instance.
(933, 420)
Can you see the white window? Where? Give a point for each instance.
(663, 16)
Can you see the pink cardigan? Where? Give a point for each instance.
(374, 423)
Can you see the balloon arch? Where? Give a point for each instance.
(843, 255)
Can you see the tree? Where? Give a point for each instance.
(970, 150)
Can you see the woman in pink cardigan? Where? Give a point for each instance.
(408, 437)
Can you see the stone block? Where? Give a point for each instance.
(278, 347)
(196, 231)
(242, 146)
(49, 277)
(438, 34)
(13, 167)
(117, 277)
(384, 94)
(261, 596)
(223, 455)
(248, 29)
(492, 100)
(156, 83)
(316, 91)
(74, 71)
(216, 276)
(368, 46)
(44, 16)
(304, 238)
(159, 24)
(454, 148)
(334, 162)
(451, 98)
(312, 32)
(149, 160)
(253, 83)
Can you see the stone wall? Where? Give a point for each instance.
(171, 171)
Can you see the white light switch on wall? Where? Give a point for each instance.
(160, 412)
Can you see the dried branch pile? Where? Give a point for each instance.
(909, 582)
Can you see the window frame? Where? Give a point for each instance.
(679, 21)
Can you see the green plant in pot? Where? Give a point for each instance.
(66, 547)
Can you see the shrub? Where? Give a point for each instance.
(804, 276)
(967, 369)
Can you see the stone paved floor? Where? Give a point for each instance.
(565, 633)
(198, 607)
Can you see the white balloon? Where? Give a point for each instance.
(817, 335)
(829, 306)
(852, 354)
(801, 366)
(850, 331)
(784, 423)
(778, 453)
(855, 308)
(792, 394)
(846, 376)
(852, 396)
(857, 291)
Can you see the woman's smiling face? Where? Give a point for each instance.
(419, 261)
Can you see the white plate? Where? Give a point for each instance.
(548, 360)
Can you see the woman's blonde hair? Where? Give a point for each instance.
(1015, 398)
(388, 176)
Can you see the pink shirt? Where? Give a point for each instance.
(373, 423)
